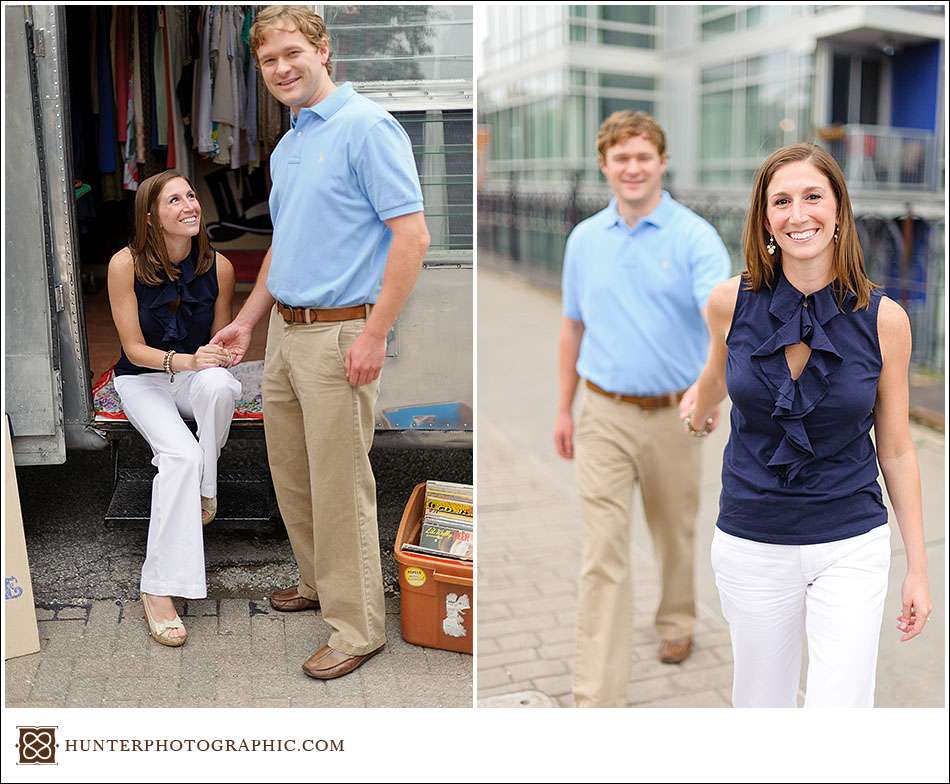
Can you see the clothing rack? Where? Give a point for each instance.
(169, 84)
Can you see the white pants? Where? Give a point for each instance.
(187, 468)
(833, 593)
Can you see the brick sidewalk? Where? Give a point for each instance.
(240, 653)
(529, 559)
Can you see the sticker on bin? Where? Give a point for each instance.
(455, 605)
(415, 576)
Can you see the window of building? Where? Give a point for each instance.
(748, 108)
(550, 133)
(632, 26)
(396, 43)
(442, 146)
(717, 20)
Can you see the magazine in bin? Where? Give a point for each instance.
(436, 597)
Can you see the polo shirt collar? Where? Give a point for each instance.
(329, 105)
(659, 217)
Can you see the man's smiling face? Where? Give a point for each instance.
(293, 70)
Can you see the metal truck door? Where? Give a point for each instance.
(32, 375)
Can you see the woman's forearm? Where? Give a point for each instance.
(710, 392)
(154, 358)
(902, 478)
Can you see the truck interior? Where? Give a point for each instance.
(106, 47)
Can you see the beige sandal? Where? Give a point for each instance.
(159, 629)
(209, 508)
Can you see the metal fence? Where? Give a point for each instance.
(873, 156)
(526, 231)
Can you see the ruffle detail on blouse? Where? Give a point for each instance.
(796, 398)
(175, 324)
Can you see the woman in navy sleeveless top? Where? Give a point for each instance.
(170, 291)
(813, 356)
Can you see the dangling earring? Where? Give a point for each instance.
(770, 247)
(836, 232)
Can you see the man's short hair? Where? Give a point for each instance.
(291, 17)
(625, 124)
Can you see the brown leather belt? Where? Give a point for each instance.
(311, 315)
(647, 403)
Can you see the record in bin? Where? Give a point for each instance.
(436, 597)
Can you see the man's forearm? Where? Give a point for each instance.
(569, 350)
(259, 301)
(402, 270)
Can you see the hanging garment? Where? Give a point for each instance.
(120, 59)
(106, 134)
(158, 64)
(137, 95)
(201, 99)
(222, 106)
(130, 169)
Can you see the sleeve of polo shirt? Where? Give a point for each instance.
(570, 296)
(386, 170)
(709, 262)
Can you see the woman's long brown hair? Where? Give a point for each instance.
(847, 262)
(149, 254)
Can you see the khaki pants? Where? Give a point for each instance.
(617, 446)
(319, 431)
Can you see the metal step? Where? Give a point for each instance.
(243, 494)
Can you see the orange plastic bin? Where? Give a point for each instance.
(437, 603)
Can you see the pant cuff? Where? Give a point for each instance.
(354, 650)
(167, 589)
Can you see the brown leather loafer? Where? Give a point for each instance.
(328, 663)
(676, 651)
(288, 600)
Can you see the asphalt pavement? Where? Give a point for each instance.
(530, 534)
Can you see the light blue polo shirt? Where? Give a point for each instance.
(343, 168)
(639, 292)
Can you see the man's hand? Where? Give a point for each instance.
(688, 401)
(365, 358)
(564, 435)
(235, 338)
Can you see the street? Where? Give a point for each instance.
(530, 535)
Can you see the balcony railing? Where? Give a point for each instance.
(874, 156)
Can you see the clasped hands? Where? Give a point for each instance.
(210, 356)
(364, 359)
(687, 408)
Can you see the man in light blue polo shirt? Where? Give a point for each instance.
(349, 240)
(636, 279)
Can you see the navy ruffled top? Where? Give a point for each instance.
(800, 466)
(177, 314)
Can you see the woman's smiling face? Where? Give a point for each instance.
(801, 211)
(178, 210)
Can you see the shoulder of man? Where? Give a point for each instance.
(588, 225)
(362, 113)
(687, 219)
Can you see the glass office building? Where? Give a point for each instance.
(729, 84)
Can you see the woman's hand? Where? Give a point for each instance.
(211, 356)
(915, 606)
